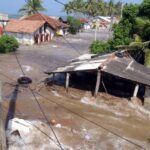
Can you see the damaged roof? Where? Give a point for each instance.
(118, 64)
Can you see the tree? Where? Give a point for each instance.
(144, 9)
(32, 7)
(93, 7)
(74, 23)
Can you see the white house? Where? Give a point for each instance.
(29, 32)
(3, 19)
(58, 27)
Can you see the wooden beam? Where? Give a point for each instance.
(67, 81)
(2, 131)
(53, 78)
(136, 90)
(98, 80)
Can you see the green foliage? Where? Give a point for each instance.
(144, 9)
(93, 7)
(130, 12)
(147, 58)
(75, 25)
(8, 44)
(99, 47)
(142, 28)
(31, 7)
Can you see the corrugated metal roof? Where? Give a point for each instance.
(121, 65)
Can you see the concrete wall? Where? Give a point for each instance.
(29, 39)
(51, 32)
(23, 38)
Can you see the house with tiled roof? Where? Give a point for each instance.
(55, 24)
(29, 31)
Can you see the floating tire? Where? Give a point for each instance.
(24, 80)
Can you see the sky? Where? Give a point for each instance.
(53, 8)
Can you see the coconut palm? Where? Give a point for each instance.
(32, 7)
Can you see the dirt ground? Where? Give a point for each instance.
(80, 121)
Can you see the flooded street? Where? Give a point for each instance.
(80, 121)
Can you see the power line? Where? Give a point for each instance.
(97, 124)
(60, 2)
(101, 126)
(45, 117)
(43, 113)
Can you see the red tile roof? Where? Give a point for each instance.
(52, 22)
(23, 26)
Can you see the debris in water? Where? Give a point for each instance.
(27, 68)
(58, 125)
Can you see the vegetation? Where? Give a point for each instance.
(32, 7)
(74, 23)
(93, 7)
(99, 47)
(8, 44)
(132, 32)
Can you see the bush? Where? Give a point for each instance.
(8, 44)
(99, 47)
(75, 25)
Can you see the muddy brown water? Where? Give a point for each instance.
(86, 123)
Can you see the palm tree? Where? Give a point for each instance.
(32, 7)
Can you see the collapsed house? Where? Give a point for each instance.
(118, 64)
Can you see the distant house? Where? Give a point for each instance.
(64, 20)
(104, 21)
(28, 31)
(56, 25)
(1, 31)
(3, 19)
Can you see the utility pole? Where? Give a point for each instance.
(122, 6)
(2, 131)
(96, 28)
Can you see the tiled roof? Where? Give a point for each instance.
(52, 22)
(23, 26)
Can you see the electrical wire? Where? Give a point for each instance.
(20, 66)
(101, 126)
(46, 118)
(43, 113)
(97, 124)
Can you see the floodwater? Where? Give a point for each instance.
(80, 121)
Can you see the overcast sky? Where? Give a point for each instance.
(53, 8)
